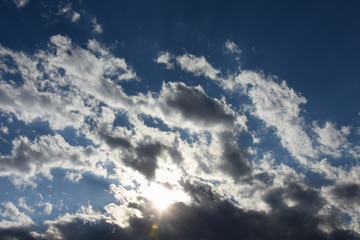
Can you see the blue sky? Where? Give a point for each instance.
(179, 120)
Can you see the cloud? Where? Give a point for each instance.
(348, 193)
(181, 137)
(274, 103)
(88, 71)
(235, 157)
(23, 204)
(38, 157)
(165, 58)
(277, 106)
(15, 233)
(4, 129)
(48, 208)
(144, 158)
(333, 141)
(16, 218)
(197, 65)
(75, 17)
(213, 217)
(193, 104)
(232, 47)
(97, 28)
(21, 3)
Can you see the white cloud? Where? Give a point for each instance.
(75, 17)
(23, 204)
(333, 141)
(64, 9)
(278, 106)
(16, 218)
(47, 207)
(97, 28)
(21, 3)
(4, 129)
(84, 71)
(46, 152)
(194, 137)
(232, 47)
(197, 65)
(120, 214)
(73, 176)
(165, 58)
(85, 214)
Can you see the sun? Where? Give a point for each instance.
(162, 197)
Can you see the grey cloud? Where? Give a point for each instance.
(29, 158)
(176, 156)
(144, 158)
(349, 193)
(274, 198)
(235, 157)
(16, 233)
(25, 155)
(306, 200)
(210, 218)
(195, 105)
(265, 178)
(115, 142)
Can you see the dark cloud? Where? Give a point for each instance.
(306, 200)
(195, 105)
(18, 234)
(210, 218)
(349, 193)
(176, 156)
(274, 198)
(265, 178)
(235, 161)
(115, 142)
(144, 158)
(79, 229)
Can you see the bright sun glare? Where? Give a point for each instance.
(162, 197)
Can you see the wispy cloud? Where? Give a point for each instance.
(21, 3)
(197, 65)
(232, 47)
(97, 28)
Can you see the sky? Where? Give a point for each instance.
(170, 119)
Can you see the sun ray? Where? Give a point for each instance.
(161, 197)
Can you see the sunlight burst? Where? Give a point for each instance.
(162, 197)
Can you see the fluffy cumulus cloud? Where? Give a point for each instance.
(13, 218)
(180, 147)
(166, 59)
(29, 158)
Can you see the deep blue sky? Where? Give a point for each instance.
(314, 46)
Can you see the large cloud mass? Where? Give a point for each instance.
(181, 138)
